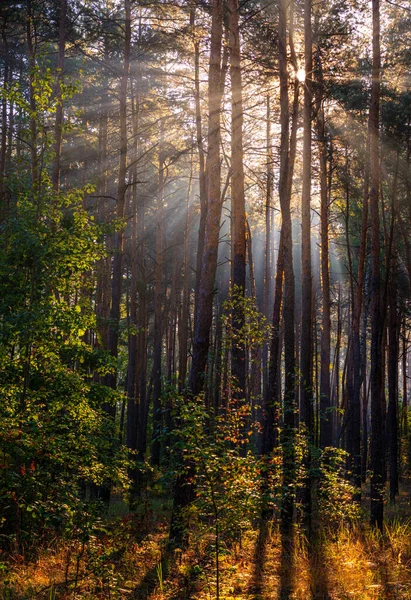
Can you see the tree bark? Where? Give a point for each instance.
(116, 287)
(393, 351)
(158, 312)
(204, 313)
(58, 124)
(288, 435)
(306, 392)
(377, 458)
(238, 243)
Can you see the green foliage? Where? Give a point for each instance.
(227, 479)
(56, 440)
(335, 492)
(255, 329)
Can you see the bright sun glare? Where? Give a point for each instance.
(300, 74)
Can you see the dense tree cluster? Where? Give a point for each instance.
(205, 259)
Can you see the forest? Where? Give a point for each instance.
(205, 299)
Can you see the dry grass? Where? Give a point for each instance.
(130, 561)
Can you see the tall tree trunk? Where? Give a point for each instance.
(306, 392)
(393, 351)
(356, 341)
(238, 243)
(272, 403)
(204, 313)
(184, 490)
(254, 384)
(185, 303)
(4, 125)
(377, 458)
(288, 435)
(269, 225)
(31, 44)
(158, 312)
(58, 124)
(325, 384)
(116, 288)
(272, 400)
(306, 346)
(132, 404)
(404, 409)
(201, 158)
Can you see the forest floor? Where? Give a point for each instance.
(127, 557)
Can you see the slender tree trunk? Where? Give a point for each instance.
(404, 409)
(377, 458)
(393, 351)
(116, 288)
(325, 384)
(185, 304)
(184, 490)
(272, 401)
(201, 158)
(204, 313)
(238, 243)
(31, 44)
(132, 404)
(272, 404)
(306, 392)
(4, 124)
(158, 314)
(58, 124)
(288, 435)
(269, 223)
(356, 341)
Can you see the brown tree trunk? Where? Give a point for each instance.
(272, 400)
(31, 44)
(4, 125)
(158, 313)
(254, 384)
(325, 384)
(356, 341)
(58, 124)
(201, 158)
(404, 409)
(204, 313)
(238, 243)
(116, 287)
(269, 226)
(287, 437)
(377, 458)
(185, 303)
(393, 351)
(306, 392)
(132, 404)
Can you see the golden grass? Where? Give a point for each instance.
(347, 563)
